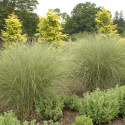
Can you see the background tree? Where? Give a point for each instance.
(82, 18)
(11, 5)
(105, 22)
(57, 10)
(13, 31)
(119, 20)
(64, 15)
(19, 7)
(29, 22)
(49, 28)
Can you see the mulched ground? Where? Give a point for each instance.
(69, 118)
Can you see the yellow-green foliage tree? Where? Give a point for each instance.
(49, 29)
(13, 31)
(105, 23)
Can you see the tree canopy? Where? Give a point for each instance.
(119, 20)
(64, 15)
(82, 18)
(12, 5)
(29, 22)
(22, 8)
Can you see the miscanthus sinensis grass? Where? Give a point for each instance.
(96, 62)
(25, 74)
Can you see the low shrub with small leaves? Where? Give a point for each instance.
(71, 102)
(82, 120)
(119, 93)
(102, 107)
(49, 108)
(121, 98)
(9, 118)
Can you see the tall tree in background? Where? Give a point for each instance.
(29, 21)
(116, 18)
(57, 10)
(119, 20)
(64, 15)
(19, 7)
(11, 5)
(82, 18)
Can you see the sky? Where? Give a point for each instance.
(68, 5)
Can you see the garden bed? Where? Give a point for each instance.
(69, 117)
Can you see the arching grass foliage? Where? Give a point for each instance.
(25, 74)
(97, 62)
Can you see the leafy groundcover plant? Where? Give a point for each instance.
(102, 107)
(98, 106)
(97, 62)
(71, 102)
(119, 93)
(50, 109)
(9, 118)
(82, 120)
(25, 74)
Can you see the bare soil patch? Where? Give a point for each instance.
(69, 117)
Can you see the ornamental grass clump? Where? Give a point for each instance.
(25, 74)
(96, 62)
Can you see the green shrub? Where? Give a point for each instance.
(49, 29)
(9, 118)
(121, 98)
(50, 108)
(25, 74)
(119, 93)
(82, 120)
(96, 62)
(13, 31)
(102, 107)
(71, 102)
